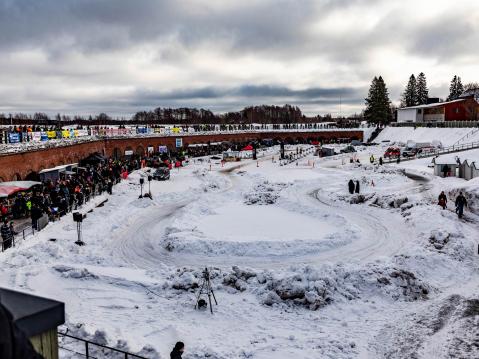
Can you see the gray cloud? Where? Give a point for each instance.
(77, 56)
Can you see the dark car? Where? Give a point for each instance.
(161, 174)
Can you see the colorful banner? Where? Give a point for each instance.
(65, 134)
(51, 134)
(44, 136)
(36, 136)
(14, 137)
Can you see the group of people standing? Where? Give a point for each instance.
(56, 198)
(460, 203)
(353, 187)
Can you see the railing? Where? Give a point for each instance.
(437, 152)
(8, 243)
(88, 345)
(467, 135)
(444, 124)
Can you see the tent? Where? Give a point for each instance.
(248, 148)
(9, 188)
(94, 159)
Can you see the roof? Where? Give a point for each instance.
(450, 159)
(9, 188)
(432, 105)
(32, 314)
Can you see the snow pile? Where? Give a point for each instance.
(264, 193)
(314, 289)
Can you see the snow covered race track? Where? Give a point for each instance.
(300, 267)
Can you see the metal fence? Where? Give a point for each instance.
(83, 348)
(445, 124)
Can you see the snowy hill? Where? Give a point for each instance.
(447, 136)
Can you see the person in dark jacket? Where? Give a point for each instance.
(177, 351)
(7, 236)
(36, 214)
(460, 204)
(442, 200)
(380, 161)
(109, 187)
(13, 343)
(351, 186)
(357, 187)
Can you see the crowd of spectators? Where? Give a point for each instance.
(54, 199)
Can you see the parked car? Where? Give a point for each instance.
(392, 152)
(410, 152)
(161, 174)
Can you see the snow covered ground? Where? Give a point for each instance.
(447, 136)
(300, 267)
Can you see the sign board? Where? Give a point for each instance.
(13, 137)
(162, 149)
(179, 142)
(150, 149)
(129, 153)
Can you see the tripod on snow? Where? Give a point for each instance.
(205, 288)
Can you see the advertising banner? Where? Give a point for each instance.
(36, 136)
(51, 134)
(44, 136)
(13, 137)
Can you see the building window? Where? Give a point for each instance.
(456, 110)
(419, 111)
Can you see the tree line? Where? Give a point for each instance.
(264, 114)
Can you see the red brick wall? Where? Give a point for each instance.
(14, 166)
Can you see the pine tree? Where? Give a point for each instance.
(422, 91)
(378, 105)
(455, 89)
(459, 87)
(409, 96)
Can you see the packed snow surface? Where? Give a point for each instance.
(300, 267)
(447, 136)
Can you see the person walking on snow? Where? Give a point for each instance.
(460, 204)
(371, 159)
(357, 187)
(177, 351)
(351, 186)
(380, 161)
(442, 200)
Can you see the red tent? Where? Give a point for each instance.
(248, 148)
(6, 191)
(9, 188)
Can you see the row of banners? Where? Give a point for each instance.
(107, 132)
(45, 135)
(140, 130)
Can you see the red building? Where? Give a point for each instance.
(465, 108)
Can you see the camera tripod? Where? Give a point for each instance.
(205, 288)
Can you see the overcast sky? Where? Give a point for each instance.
(122, 56)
